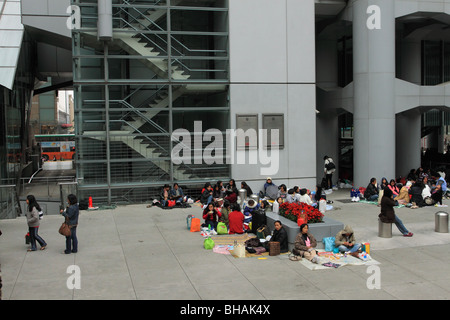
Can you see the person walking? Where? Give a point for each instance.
(387, 214)
(71, 214)
(33, 223)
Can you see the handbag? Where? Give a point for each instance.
(27, 238)
(65, 229)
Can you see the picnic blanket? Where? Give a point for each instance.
(329, 260)
(376, 203)
(228, 239)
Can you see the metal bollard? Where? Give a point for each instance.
(441, 222)
(242, 193)
(384, 229)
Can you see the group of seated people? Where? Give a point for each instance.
(417, 190)
(174, 194)
(305, 244)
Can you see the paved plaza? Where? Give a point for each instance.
(138, 253)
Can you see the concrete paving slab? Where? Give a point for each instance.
(138, 253)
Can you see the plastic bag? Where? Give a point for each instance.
(329, 244)
(195, 225)
(208, 244)
(222, 228)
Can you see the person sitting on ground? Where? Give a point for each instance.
(441, 181)
(426, 191)
(176, 193)
(268, 184)
(245, 186)
(226, 209)
(394, 188)
(305, 245)
(217, 192)
(236, 220)
(282, 192)
(276, 205)
(383, 183)
(319, 194)
(403, 196)
(305, 198)
(251, 207)
(345, 241)
(265, 205)
(279, 235)
(371, 192)
(416, 194)
(207, 195)
(436, 195)
(211, 215)
(164, 196)
(291, 196)
(387, 214)
(231, 191)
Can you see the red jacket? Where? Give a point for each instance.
(236, 222)
(216, 214)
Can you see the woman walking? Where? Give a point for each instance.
(33, 223)
(71, 213)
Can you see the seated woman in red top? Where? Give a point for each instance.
(211, 214)
(393, 186)
(236, 219)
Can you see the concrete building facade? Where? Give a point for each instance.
(348, 79)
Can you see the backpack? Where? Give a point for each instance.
(330, 166)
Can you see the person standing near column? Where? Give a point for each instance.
(329, 169)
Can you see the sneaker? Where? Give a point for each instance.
(356, 199)
(409, 234)
(353, 199)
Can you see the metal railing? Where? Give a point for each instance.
(9, 204)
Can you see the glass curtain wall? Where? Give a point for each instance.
(165, 68)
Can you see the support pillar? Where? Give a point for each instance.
(374, 95)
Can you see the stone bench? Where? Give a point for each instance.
(328, 228)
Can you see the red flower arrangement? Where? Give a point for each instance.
(293, 211)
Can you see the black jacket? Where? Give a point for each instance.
(370, 191)
(281, 237)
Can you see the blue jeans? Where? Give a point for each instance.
(373, 198)
(343, 248)
(34, 236)
(400, 225)
(72, 241)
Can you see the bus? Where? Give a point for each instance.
(56, 146)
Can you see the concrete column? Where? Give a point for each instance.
(104, 23)
(408, 144)
(374, 96)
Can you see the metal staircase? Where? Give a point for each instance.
(136, 119)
